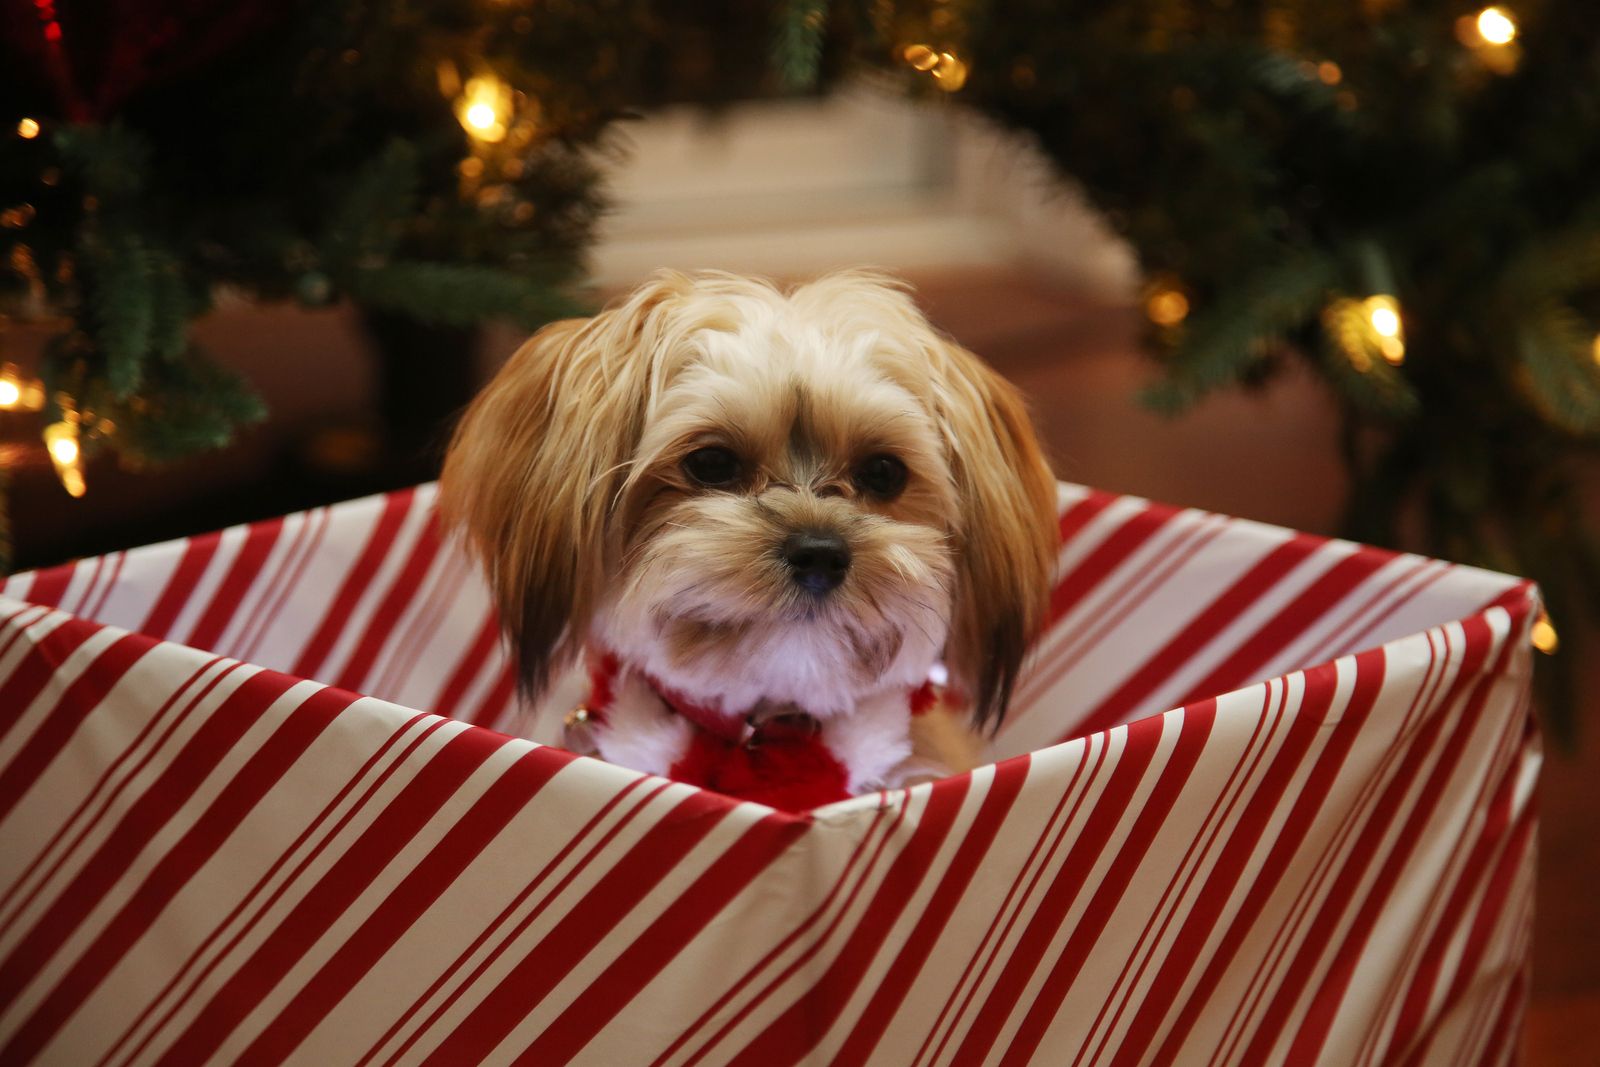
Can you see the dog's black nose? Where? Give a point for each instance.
(817, 562)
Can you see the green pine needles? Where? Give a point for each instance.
(1281, 164)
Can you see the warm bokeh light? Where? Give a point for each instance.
(950, 73)
(1543, 636)
(28, 128)
(1496, 25)
(1383, 313)
(920, 56)
(10, 393)
(72, 481)
(1597, 348)
(1167, 307)
(61, 439)
(484, 108)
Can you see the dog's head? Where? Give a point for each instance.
(799, 497)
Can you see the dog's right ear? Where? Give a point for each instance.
(535, 467)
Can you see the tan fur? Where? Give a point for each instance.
(566, 476)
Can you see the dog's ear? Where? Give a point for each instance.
(534, 470)
(1008, 533)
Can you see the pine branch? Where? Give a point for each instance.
(798, 49)
(121, 295)
(1557, 368)
(371, 216)
(461, 294)
(188, 405)
(1222, 341)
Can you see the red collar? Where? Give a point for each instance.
(604, 670)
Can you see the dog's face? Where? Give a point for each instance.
(799, 498)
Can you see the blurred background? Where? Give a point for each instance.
(1335, 267)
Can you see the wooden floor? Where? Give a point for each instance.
(1269, 456)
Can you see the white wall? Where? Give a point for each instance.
(791, 188)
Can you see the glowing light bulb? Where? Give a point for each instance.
(1543, 636)
(28, 129)
(1383, 314)
(1386, 322)
(920, 56)
(1167, 307)
(484, 107)
(1496, 25)
(62, 440)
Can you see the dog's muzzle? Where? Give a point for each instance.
(818, 562)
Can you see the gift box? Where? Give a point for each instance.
(1261, 797)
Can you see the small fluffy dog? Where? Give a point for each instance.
(763, 517)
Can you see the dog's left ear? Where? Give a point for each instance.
(1009, 533)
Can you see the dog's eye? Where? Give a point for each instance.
(881, 476)
(712, 466)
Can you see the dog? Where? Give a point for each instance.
(763, 519)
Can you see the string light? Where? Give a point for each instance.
(1543, 635)
(483, 108)
(28, 129)
(948, 70)
(18, 393)
(1496, 26)
(1383, 313)
(1166, 305)
(61, 441)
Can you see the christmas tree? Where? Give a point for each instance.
(1400, 194)
(434, 159)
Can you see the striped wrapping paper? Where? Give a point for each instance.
(213, 850)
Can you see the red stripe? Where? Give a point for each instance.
(630, 881)
(117, 559)
(406, 903)
(400, 819)
(236, 584)
(505, 913)
(396, 507)
(1343, 892)
(261, 883)
(324, 520)
(755, 970)
(97, 567)
(817, 942)
(1011, 916)
(280, 583)
(1202, 629)
(1102, 562)
(1132, 595)
(649, 953)
(72, 708)
(1490, 909)
(1505, 1034)
(1233, 863)
(39, 664)
(1078, 515)
(181, 585)
(455, 687)
(890, 991)
(404, 652)
(1415, 977)
(498, 699)
(522, 925)
(1142, 738)
(1402, 589)
(49, 586)
(1255, 652)
(109, 799)
(142, 822)
(1275, 699)
(12, 627)
(399, 599)
(1193, 733)
(788, 1038)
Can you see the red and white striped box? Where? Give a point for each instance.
(213, 850)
